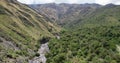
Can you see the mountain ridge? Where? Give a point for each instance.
(70, 15)
(21, 28)
(91, 32)
(63, 12)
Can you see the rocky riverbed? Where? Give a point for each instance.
(42, 51)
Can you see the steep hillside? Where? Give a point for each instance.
(20, 29)
(65, 13)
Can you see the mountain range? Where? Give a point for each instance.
(68, 15)
(65, 13)
(88, 33)
(91, 32)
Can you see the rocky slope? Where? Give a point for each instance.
(20, 29)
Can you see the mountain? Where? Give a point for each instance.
(93, 39)
(20, 29)
(91, 32)
(65, 13)
(91, 36)
(105, 15)
(70, 15)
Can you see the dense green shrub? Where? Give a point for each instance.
(94, 45)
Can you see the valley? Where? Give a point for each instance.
(90, 35)
(59, 33)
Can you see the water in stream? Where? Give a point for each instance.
(42, 51)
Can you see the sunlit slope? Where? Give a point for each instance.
(22, 27)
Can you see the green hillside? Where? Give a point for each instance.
(105, 15)
(87, 45)
(94, 39)
(20, 29)
(91, 32)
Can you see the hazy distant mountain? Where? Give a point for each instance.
(62, 13)
(70, 15)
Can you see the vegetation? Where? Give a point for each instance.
(94, 39)
(64, 13)
(93, 36)
(20, 29)
(98, 44)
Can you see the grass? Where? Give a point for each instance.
(19, 24)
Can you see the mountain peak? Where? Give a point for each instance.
(110, 5)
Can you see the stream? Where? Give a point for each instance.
(42, 51)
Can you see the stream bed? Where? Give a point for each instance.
(42, 51)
